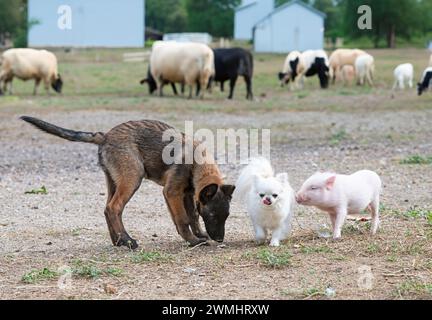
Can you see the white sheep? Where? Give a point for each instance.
(365, 69)
(26, 64)
(403, 73)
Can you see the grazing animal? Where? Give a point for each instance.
(365, 69)
(270, 200)
(340, 195)
(289, 72)
(153, 85)
(425, 82)
(230, 64)
(26, 64)
(308, 64)
(188, 63)
(342, 57)
(133, 151)
(403, 73)
(347, 74)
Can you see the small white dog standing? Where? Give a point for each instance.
(340, 195)
(270, 200)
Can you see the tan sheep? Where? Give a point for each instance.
(342, 57)
(27, 64)
(186, 63)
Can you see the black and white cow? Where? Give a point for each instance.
(425, 81)
(230, 63)
(308, 64)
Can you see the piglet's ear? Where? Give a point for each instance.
(208, 193)
(330, 182)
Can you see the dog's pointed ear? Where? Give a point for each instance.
(282, 177)
(208, 193)
(228, 190)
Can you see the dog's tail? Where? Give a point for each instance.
(256, 167)
(88, 137)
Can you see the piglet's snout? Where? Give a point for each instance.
(299, 198)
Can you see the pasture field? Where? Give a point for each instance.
(52, 193)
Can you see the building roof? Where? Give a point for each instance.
(239, 8)
(288, 4)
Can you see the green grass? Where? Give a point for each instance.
(415, 213)
(338, 137)
(318, 249)
(417, 159)
(90, 270)
(150, 256)
(41, 190)
(36, 276)
(412, 287)
(273, 259)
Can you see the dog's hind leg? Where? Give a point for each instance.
(124, 191)
(194, 217)
(124, 173)
(111, 191)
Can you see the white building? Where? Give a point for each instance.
(248, 14)
(292, 26)
(87, 23)
(204, 38)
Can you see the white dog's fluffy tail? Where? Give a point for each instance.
(256, 167)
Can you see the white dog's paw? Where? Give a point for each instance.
(275, 243)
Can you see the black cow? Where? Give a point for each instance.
(425, 82)
(232, 63)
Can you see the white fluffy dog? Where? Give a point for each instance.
(270, 200)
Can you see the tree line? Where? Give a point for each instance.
(391, 19)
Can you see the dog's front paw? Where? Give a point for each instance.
(275, 243)
(197, 241)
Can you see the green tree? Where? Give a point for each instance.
(390, 18)
(213, 16)
(11, 18)
(166, 15)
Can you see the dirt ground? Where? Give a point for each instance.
(342, 129)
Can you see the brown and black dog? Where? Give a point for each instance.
(133, 151)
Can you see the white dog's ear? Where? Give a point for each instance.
(256, 180)
(282, 177)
